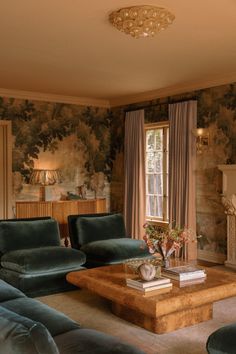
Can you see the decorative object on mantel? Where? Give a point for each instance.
(141, 21)
(44, 178)
(166, 240)
(229, 204)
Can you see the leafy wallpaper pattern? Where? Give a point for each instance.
(217, 113)
(74, 139)
(86, 145)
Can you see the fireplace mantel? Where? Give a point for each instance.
(229, 179)
(229, 202)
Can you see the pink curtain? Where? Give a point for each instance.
(134, 160)
(182, 155)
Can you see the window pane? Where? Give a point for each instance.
(158, 156)
(150, 140)
(150, 162)
(158, 184)
(159, 207)
(150, 184)
(159, 139)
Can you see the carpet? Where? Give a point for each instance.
(92, 311)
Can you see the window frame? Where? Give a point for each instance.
(165, 126)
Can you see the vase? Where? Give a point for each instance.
(165, 249)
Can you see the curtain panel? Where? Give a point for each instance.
(134, 167)
(182, 162)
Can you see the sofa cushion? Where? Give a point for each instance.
(19, 335)
(222, 341)
(15, 235)
(88, 341)
(91, 229)
(8, 292)
(56, 322)
(115, 249)
(44, 259)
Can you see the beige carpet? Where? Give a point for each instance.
(93, 311)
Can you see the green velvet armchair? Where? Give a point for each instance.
(102, 237)
(32, 259)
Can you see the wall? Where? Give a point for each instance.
(74, 139)
(86, 144)
(217, 113)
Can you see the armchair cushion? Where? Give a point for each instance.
(28, 234)
(116, 249)
(19, 335)
(94, 228)
(44, 259)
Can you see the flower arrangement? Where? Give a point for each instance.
(166, 240)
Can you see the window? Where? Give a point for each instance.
(157, 142)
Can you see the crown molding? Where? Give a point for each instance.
(173, 90)
(37, 96)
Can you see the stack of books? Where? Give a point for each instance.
(148, 286)
(186, 274)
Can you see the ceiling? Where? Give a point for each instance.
(69, 48)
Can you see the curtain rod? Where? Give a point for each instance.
(160, 104)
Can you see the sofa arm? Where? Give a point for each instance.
(20, 335)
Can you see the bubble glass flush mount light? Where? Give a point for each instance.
(141, 21)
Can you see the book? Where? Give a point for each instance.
(143, 284)
(192, 282)
(184, 273)
(151, 288)
(182, 277)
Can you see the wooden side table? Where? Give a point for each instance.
(60, 210)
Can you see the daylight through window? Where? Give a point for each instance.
(157, 142)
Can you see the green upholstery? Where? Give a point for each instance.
(117, 249)
(95, 228)
(88, 341)
(20, 335)
(56, 322)
(8, 292)
(102, 237)
(28, 234)
(222, 341)
(43, 259)
(32, 259)
(28, 326)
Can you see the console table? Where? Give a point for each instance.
(60, 210)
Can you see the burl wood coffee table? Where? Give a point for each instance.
(162, 312)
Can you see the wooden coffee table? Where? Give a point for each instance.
(160, 312)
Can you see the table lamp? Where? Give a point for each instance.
(44, 178)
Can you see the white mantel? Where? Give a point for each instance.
(229, 179)
(229, 202)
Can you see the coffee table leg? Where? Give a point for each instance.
(166, 323)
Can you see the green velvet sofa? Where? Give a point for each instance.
(223, 340)
(28, 326)
(102, 237)
(32, 259)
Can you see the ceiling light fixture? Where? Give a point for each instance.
(141, 21)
